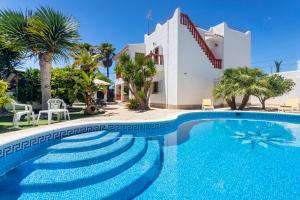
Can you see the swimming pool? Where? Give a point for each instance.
(213, 155)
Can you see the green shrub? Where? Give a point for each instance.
(29, 87)
(4, 99)
(133, 104)
(62, 84)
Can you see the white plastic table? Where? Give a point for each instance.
(51, 112)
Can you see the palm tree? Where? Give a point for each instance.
(85, 60)
(247, 79)
(86, 88)
(108, 52)
(46, 34)
(237, 82)
(138, 75)
(277, 65)
(227, 89)
(85, 71)
(270, 86)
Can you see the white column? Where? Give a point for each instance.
(122, 92)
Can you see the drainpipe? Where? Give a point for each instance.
(165, 71)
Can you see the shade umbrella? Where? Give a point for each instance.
(100, 82)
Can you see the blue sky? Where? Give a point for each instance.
(275, 25)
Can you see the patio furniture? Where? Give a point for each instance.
(100, 103)
(207, 104)
(55, 106)
(291, 105)
(26, 110)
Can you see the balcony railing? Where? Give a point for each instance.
(158, 59)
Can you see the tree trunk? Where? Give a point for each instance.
(45, 62)
(231, 103)
(263, 102)
(142, 101)
(244, 102)
(91, 107)
(143, 104)
(107, 72)
(263, 105)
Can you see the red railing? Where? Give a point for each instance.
(185, 20)
(158, 59)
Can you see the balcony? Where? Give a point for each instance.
(158, 59)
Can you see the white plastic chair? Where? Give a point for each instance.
(18, 114)
(55, 106)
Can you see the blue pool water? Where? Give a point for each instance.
(203, 159)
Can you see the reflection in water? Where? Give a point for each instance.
(182, 134)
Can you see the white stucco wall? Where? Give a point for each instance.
(196, 73)
(160, 97)
(165, 37)
(237, 46)
(135, 48)
(295, 76)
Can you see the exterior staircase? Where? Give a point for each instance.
(185, 20)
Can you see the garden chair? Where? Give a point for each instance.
(207, 104)
(26, 110)
(55, 106)
(291, 105)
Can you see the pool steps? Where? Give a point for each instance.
(120, 168)
(85, 136)
(57, 160)
(66, 147)
(65, 179)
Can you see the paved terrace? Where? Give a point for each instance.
(114, 113)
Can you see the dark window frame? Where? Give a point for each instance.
(155, 87)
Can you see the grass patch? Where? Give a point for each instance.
(6, 124)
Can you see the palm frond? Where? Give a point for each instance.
(51, 31)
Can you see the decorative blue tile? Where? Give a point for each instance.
(8, 159)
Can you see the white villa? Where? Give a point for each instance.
(189, 60)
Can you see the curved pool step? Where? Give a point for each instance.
(66, 147)
(66, 179)
(125, 185)
(83, 158)
(85, 136)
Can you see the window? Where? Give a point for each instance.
(155, 89)
(141, 55)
